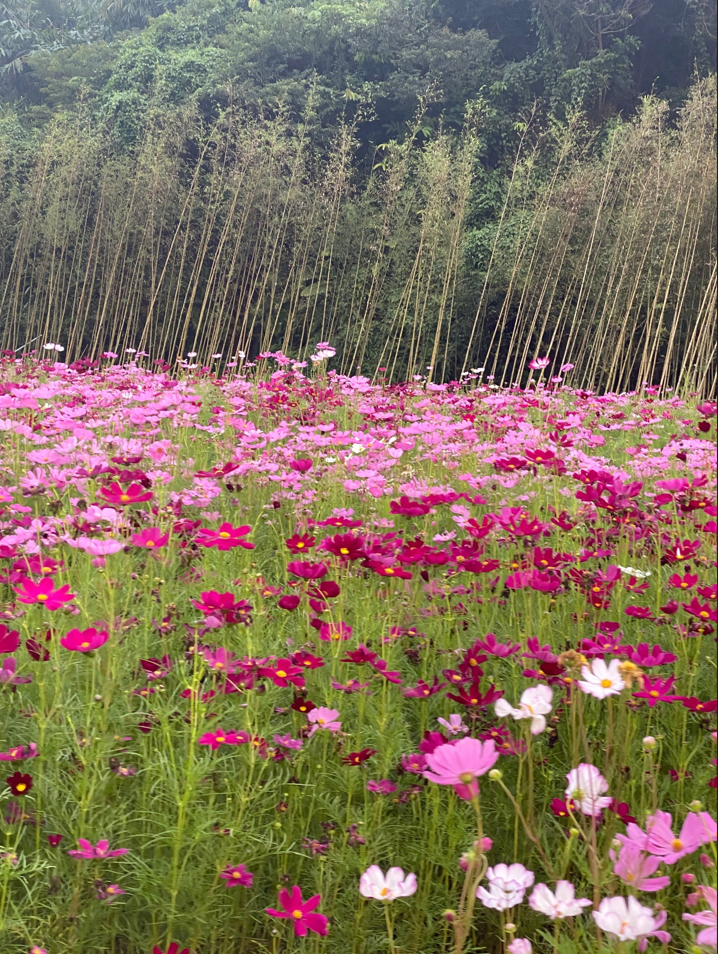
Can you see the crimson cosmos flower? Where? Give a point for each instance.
(357, 758)
(19, 784)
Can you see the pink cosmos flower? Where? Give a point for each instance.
(383, 787)
(561, 904)
(8, 668)
(220, 737)
(629, 920)
(301, 913)
(43, 593)
(520, 945)
(536, 702)
(150, 538)
(225, 537)
(84, 640)
(507, 886)
(460, 764)
(135, 493)
(454, 725)
(587, 788)
(89, 851)
(634, 867)
(323, 718)
(709, 934)
(374, 884)
(335, 632)
(20, 752)
(237, 875)
(601, 680)
(538, 364)
(662, 842)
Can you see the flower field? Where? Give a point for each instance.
(298, 662)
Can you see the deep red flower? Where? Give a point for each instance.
(357, 758)
(9, 639)
(300, 704)
(19, 784)
(172, 949)
(344, 545)
(696, 705)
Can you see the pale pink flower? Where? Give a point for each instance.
(323, 718)
(709, 935)
(634, 867)
(520, 945)
(454, 725)
(698, 829)
(507, 886)
(374, 884)
(601, 680)
(535, 704)
(587, 788)
(628, 920)
(561, 904)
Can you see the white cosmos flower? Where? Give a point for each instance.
(562, 904)
(601, 680)
(535, 704)
(373, 884)
(632, 571)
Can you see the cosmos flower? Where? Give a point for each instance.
(536, 702)
(562, 903)
(601, 680)
(395, 884)
(586, 788)
(302, 914)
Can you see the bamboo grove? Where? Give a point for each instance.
(248, 236)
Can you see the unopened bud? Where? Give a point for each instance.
(574, 832)
(496, 775)
(450, 916)
(486, 844)
(510, 928)
(696, 806)
(688, 878)
(649, 743)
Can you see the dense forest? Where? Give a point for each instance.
(449, 185)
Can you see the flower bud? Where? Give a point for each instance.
(510, 928)
(696, 806)
(706, 860)
(486, 844)
(574, 832)
(687, 877)
(496, 775)
(649, 743)
(450, 916)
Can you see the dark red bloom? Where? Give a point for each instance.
(19, 783)
(404, 507)
(307, 571)
(299, 543)
(357, 758)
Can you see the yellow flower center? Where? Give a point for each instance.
(653, 694)
(299, 545)
(42, 597)
(124, 497)
(297, 914)
(389, 571)
(343, 551)
(20, 787)
(281, 673)
(224, 535)
(219, 738)
(150, 543)
(677, 844)
(606, 683)
(384, 892)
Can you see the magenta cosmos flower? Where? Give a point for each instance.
(460, 764)
(151, 538)
(43, 593)
(88, 851)
(226, 537)
(84, 640)
(237, 875)
(135, 493)
(301, 913)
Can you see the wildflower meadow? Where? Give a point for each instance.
(294, 661)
